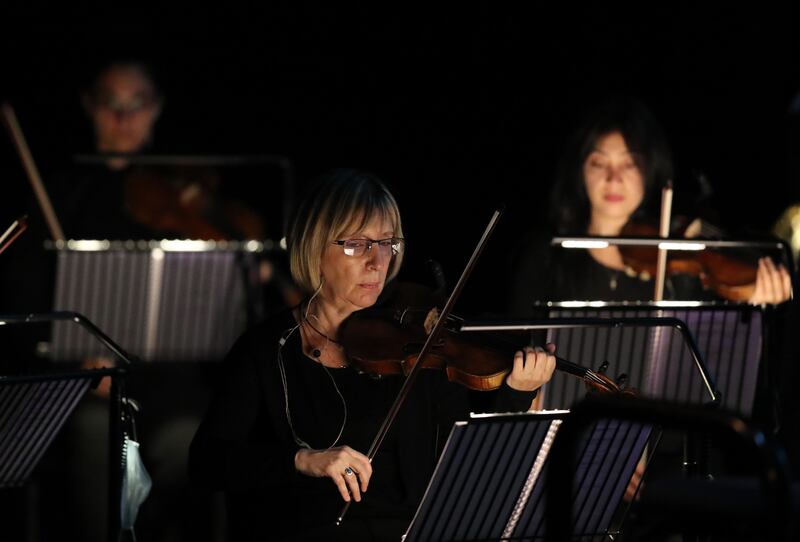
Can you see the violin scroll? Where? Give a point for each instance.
(599, 382)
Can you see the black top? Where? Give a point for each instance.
(245, 445)
(542, 272)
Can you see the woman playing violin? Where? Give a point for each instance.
(293, 419)
(609, 176)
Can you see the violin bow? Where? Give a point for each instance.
(431, 340)
(663, 231)
(14, 230)
(14, 130)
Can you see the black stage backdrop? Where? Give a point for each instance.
(458, 109)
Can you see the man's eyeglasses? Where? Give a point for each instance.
(359, 247)
(138, 103)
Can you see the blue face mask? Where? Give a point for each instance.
(136, 485)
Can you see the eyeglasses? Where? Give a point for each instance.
(359, 247)
(138, 103)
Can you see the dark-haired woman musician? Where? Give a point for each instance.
(609, 175)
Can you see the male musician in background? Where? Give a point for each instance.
(123, 101)
(119, 198)
(124, 104)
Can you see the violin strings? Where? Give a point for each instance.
(596, 378)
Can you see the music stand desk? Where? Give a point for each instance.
(490, 481)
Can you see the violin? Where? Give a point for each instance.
(186, 203)
(731, 276)
(387, 342)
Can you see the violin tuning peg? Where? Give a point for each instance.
(622, 380)
(603, 367)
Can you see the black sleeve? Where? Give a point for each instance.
(504, 399)
(510, 400)
(237, 446)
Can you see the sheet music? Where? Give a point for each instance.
(31, 415)
(491, 479)
(157, 304)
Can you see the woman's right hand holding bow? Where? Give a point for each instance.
(350, 470)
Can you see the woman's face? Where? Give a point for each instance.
(354, 282)
(614, 184)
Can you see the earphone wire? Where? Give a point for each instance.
(285, 337)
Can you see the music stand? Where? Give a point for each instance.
(770, 461)
(490, 481)
(694, 384)
(775, 246)
(33, 409)
(166, 300)
(632, 335)
(732, 351)
(729, 340)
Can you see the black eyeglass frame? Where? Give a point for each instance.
(396, 244)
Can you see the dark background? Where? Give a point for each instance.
(458, 109)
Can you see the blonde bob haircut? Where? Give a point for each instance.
(340, 204)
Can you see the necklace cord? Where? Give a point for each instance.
(282, 369)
